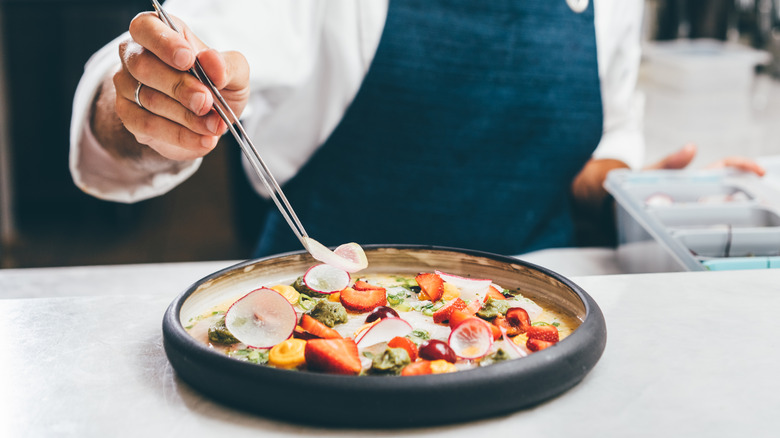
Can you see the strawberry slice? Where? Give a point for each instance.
(518, 318)
(417, 368)
(547, 333)
(431, 284)
(318, 329)
(362, 285)
(405, 343)
(363, 300)
(493, 293)
(458, 316)
(538, 344)
(501, 322)
(444, 313)
(337, 356)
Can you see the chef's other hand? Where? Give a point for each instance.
(175, 116)
(681, 158)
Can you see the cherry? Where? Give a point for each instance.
(381, 312)
(435, 349)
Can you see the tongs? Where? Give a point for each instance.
(249, 149)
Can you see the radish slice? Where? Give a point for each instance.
(470, 288)
(349, 257)
(471, 339)
(520, 351)
(383, 331)
(261, 319)
(326, 279)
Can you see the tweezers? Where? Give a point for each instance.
(249, 149)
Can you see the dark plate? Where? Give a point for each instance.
(384, 401)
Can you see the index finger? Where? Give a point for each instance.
(175, 49)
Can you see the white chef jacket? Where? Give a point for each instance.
(307, 61)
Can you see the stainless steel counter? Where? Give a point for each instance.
(688, 354)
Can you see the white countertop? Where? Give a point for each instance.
(688, 354)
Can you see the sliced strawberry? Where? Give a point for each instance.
(363, 300)
(318, 329)
(405, 343)
(473, 307)
(431, 284)
(362, 285)
(547, 333)
(517, 317)
(496, 331)
(338, 356)
(538, 344)
(458, 316)
(444, 313)
(500, 321)
(300, 333)
(493, 293)
(417, 368)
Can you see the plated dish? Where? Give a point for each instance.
(375, 396)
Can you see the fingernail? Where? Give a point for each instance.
(196, 102)
(207, 142)
(212, 123)
(182, 58)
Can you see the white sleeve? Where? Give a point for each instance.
(279, 39)
(95, 171)
(618, 31)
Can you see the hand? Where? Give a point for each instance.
(684, 156)
(177, 119)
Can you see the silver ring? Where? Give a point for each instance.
(137, 95)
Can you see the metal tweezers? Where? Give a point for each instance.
(249, 149)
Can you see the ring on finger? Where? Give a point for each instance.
(138, 95)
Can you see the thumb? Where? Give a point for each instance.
(676, 160)
(228, 70)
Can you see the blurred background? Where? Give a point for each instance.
(710, 75)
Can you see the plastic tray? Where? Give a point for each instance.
(671, 220)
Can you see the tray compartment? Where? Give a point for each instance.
(708, 216)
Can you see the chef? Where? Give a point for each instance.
(449, 122)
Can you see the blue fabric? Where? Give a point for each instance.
(467, 132)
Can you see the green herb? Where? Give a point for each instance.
(404, 307)
(396, 299)
(406, 282)
(540, 323)
(499, 356)
(220, 334)
(253, 355)
(493, 308)
(329, 313)
(306, 302)
(301, 287)
(556, 324)
(422, 335)
(391, 361)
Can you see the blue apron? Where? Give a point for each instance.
(467, 131)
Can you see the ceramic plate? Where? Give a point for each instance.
(387, 401)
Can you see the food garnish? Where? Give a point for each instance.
(326, 279)
(383, 331)
(328, 322)
(471, 339)
(349, 257)
(261, 319)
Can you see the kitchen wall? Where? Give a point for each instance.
(46, 220)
